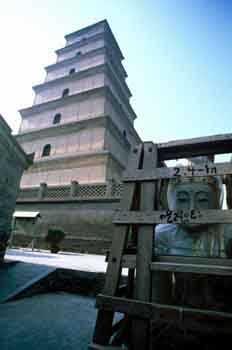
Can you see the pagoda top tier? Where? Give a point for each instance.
(90, 31)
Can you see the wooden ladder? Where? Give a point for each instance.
(147, 280)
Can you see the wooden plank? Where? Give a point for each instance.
(211, 216)
(200, 146)
(102, 332)
(129, 261)
(103, 325)
(132, 307)
(118, 244)
(94, 346)
(140, 328)
(218, 169)
(193, 260)
(145, 233)
(192, 268)
(120, 234)
(145, 310)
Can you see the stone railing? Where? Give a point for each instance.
(74, 191)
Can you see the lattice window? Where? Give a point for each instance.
(92, 191)
(117, 189)
(28, 193)
(58, 192)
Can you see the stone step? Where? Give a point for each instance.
(17, 277)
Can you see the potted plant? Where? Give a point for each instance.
(54, 237)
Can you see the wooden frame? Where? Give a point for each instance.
(212, 216)
(218, 169)
(138, 216)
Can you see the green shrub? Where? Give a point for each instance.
(54, 237)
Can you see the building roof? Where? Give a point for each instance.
(88, 28)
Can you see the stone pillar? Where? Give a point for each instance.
(109, 186)
(74, 188)
(42, 190)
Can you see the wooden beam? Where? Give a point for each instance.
(129, 261)
(200, 260)
(192, 268)
(145, 233)
(138, 175)
(103, 326)
(211, 216)
(94, 346)
(200, 146)
(145, 310)
(140, 328)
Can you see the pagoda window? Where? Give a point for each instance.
(57, 118)
(124, 133)
(46, 150)
(72, 71)
(65, 92)
(78, 53)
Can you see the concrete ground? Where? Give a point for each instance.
(56, 321)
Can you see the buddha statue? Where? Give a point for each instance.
(192, 193)
(203, 240)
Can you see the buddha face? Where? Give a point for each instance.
(196, 196)
(193, 196)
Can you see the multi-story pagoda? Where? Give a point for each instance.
(80, 129)
(80, 126)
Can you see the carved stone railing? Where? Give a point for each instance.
(75, 191)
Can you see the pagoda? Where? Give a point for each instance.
(81, 124)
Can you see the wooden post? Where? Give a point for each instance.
(102, 332)
(154, 279)
(140, 328)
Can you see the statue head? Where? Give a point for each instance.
(197, 193)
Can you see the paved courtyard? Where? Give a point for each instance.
(51, 321)
(75, 261)
(56, 321)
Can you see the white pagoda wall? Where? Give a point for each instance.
(86, 35)
(85, 109)
(75, 86)
(74, 143)
(114, 90)
(111, 84)
(83, 49)
(79, 65)
(114, 170)
(116, 149)
(59, 177)
(120, 122)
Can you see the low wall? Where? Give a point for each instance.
(85, 215)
